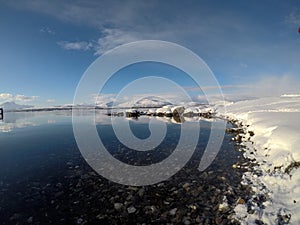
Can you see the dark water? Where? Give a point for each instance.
(45, 180)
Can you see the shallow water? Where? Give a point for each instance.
(45, 180)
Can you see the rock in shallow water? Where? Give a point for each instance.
(172, 212)
(118, 206)
(30, 220)
(131, 209)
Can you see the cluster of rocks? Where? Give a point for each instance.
(75, 194)
(84, 198)
(168, 111)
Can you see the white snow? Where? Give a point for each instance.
(192, 110)
(170, 109)
(133, 101)
(276, 124)
(161, 110)
(131, 110)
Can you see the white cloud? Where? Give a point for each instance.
(109, 39)
(243, 65)
(23, 98)
(293, 18)
(50, 100)
(222, 36)
(112, 38)
(88, 12)
(213, 88)
(6, 97)
(47, 30)
(266, 86)
(77, 45)
(276, 85)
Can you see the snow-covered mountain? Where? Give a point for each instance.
(8, 106)
(145, 102)
(136, 101)
(151, 102)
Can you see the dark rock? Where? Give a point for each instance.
(30, 220)
(15, 216)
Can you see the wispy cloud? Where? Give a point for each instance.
(50, 100)
(90, 13)
(76, 45)
(112, 38)
(230, 39)
(266, 86)
(293, 18)
(243, 65)
(47, 30)
(269, 86)
(222, 87)
(4, 97)
(23, 98)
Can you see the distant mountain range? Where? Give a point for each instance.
(143, 103)
(9, 106)
(146, 102)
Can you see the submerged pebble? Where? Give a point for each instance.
(118, 206)
(78, 195)
(131, 209)
(172, 212)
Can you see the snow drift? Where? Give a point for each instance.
(276, 124)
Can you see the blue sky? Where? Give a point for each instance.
(47, 45)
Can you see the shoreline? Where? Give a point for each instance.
(275, 179)
(72, 192)
(274, 145)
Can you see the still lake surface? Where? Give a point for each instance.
(45, 180)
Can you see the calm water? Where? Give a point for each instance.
(45, 180)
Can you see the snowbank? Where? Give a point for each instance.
(276, 147)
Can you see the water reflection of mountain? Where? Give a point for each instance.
(12, 117)
(15, 120)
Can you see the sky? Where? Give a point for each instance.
(252, 47)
